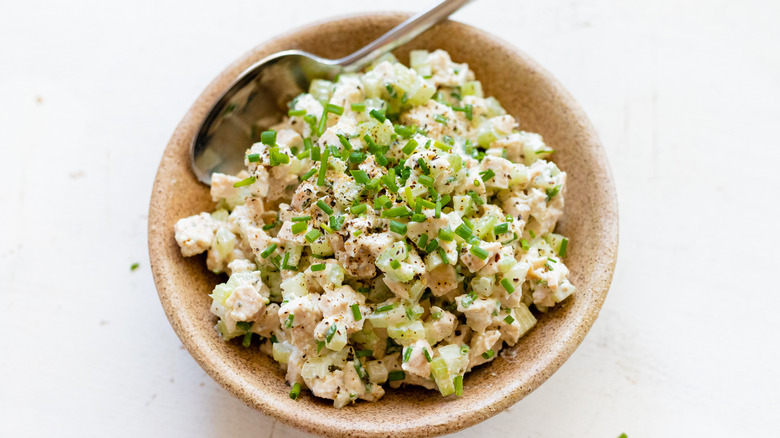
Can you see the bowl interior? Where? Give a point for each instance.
(590, 220)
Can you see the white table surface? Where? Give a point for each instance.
(683, 93)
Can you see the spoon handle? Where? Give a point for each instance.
(400, 35)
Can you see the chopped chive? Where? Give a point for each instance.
(479, 252)
(441, 119)
(423, 166)
(418, 217)
(426, 180)
(385, 308)
(468, 300)
(564, 245)
(468, 222)
(324, 207)
(551, 260)
(318, 267)
(552, 192)
(443, 256)
(507, 285)
(446, 235)
(457, 382)
(377, 115)
(509, 319)
(399, 211)
(372, 147)
(313, 235)
(464, 231)
(296, 113)
(247, 341)
(320, 344)
(382, 201)
(381, 159)
(373, 185)
(437, 209)
(360, 176)
(398, 228)
(303, 154)
(298, 227)
(408, 354)
(488, 354)
(330, 332)
(358, 209)
(268, 137)
(410, 146)
(278, 158)
(315, 154)
(301, 219)
(524, 244)
(432, 245)
(395, 264)
(245, 182)
(334, 109)
(427, 355)
(403, 131)
(336, 222)
(323, 123)
(443, 146)
(357, 233)
(389, 181)
(290, 320)
(363, 353)
(475, 197)
(356, 312)
(392, 376)
(422, 241)
(253, 158)
(476, 182)
(270, 226)
(501, 228)
(268, 251)
(344, 141)
(358, 107)
(532, 234)
(323, 168)
(295, 391)
(487, 175)
(357, 157)
(426, 203)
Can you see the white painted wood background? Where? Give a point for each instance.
(683, 93)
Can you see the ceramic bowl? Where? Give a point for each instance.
(540, 104)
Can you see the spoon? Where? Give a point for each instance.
(258, 98)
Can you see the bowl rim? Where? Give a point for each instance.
(233, 382)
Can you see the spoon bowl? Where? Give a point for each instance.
(258, 97)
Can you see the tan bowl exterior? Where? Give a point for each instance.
(541, 105)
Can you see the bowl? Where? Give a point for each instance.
(541, 105)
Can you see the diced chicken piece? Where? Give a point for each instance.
(441, 280)
(305, 310)
(338, 303)
(245, 302)
(440, 325)
(474, 263)
(349, 90)
(267, 321)
(194, 234)
(504, 124)
(358, 254)
(481, 343)
(447, 73)
(460, 336)
(492, 265)
(479, 314)
(417, 363)
(289, 138)
(504, 171)
(240, 265)
(436, 119)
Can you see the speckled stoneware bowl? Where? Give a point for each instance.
(590, 220)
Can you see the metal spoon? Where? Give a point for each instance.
(258, 98)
